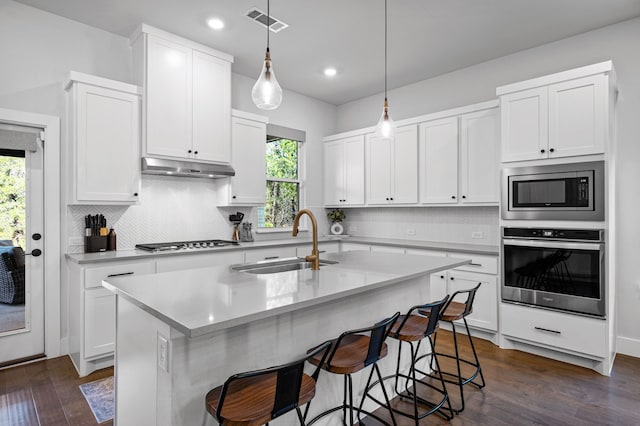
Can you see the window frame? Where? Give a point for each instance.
(302, 169)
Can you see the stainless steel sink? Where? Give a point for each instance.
(280, 265)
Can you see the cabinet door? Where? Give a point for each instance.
(439, 161)
(334, 171)
(577, 116)
(480, 157)
(404, 180)
(485, 305)
(353, 171)
(99, 322)
(524, 125)
(438, 286)
(169, 100)
(378, 170)
(107, 145)
(211, 108)
(248, 185)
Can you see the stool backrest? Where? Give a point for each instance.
(287, 384)
(468, 304)
(378, 334)
(434, 310)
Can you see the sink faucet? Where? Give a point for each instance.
(314, 257)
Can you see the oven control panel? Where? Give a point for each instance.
(555, 234)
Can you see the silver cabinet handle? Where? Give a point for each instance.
(546, 330)
(271, 257)
(120, 275)
(475, 264)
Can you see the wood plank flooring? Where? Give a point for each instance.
(522, 389)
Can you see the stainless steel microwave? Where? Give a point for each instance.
(572, 191)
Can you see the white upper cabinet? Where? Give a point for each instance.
(104, 148)
(577, 111)
(392, 167)
(249, 138)
(187, 103)
(344, 171)
(439, 161)
(560, 115)
(525, 125)
(480, 157)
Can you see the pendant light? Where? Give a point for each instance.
(386, 128)
(267, 93)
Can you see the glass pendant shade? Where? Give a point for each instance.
(386, 128)
(267, 93)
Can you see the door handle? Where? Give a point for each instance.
(34, 253)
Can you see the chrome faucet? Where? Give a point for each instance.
(314, 257)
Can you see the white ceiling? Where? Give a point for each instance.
(426, 37)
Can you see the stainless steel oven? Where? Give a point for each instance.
(572, 191)
(561, 269)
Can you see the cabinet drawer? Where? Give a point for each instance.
(483, 263)
(93, 276)
(271, 253)
(563, 331)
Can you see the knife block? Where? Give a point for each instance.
(95, 244)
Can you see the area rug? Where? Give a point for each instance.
(100, 397)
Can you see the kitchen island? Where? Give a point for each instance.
(179, 334)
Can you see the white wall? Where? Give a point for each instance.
(620, 43)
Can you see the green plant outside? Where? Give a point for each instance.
(12, 199)
(282, 198)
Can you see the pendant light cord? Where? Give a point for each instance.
(269, 23)
(385, 49)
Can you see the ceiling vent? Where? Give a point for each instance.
(260, 17)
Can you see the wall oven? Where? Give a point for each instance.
(560, 269)
(572, 191)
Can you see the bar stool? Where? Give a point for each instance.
(413, 328)
(256, 397)
(452, 312)
(353, 351)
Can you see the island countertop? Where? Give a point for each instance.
(201, 301)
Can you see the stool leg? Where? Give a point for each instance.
(475, 356)
(460, 385)
(434, 358)
(300, 418)
(350, 398)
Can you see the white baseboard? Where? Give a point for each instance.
(628, 346)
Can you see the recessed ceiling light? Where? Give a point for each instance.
(330, 72)
(215, 23)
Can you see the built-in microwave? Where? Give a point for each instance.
(572, 191)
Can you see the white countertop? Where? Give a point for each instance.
(132, 254)
(202, 301)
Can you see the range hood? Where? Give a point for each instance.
(157, 166)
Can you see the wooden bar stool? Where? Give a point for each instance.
(452, 312)
(414, 328)
(353, 351)
(257, 397)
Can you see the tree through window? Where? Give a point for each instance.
(283, 184)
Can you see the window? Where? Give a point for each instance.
(283, 184)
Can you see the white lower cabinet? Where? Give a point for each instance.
(485, 304)
(271, 253)
(92, 310)
(568, 333)
(199, 260)
(99, 322)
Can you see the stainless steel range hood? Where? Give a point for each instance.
(157, 166)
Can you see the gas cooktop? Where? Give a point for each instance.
(186, 245)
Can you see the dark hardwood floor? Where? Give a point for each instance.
(522, 389)
(46, 393)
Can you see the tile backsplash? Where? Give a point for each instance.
(447, 224)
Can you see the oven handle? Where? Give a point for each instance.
(553, 244)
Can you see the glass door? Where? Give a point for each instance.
(21, 243)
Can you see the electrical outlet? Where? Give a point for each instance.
(411, 230)
(76, 241)
(163, 352)
(478, 235)
(353, 228)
